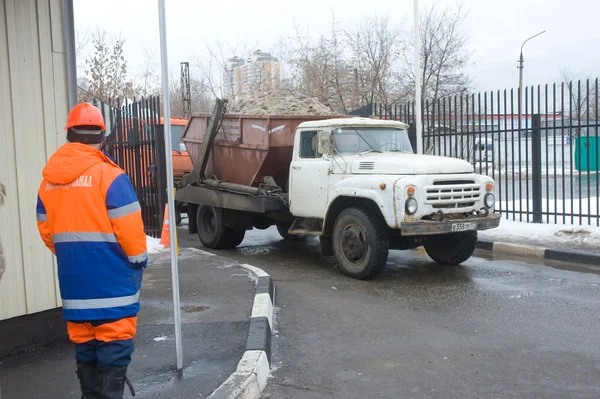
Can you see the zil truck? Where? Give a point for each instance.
(355, 183)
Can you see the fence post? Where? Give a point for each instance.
(536, 160)
(412, 135)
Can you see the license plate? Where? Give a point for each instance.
(463, 226)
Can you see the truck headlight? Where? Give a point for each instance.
(411, 206)
(489, 200)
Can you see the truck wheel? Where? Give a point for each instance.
(211, 228)
(451, 249)
(235, 237)
(283, 229)
(360, 243)
(178, 216)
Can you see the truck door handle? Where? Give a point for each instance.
(296, 167)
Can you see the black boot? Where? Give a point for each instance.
(113, 382)
(89, 379)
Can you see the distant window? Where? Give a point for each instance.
(308, 144)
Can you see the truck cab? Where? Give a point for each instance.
(360, 182)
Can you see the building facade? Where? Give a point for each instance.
(259, 71)
(34, 103)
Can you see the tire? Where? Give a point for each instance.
(283, 228)
(360, 243)
(211, 228)
(451, 249)
(178, 216)
(234, 237)
(262, 223)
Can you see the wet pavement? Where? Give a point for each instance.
(501, 327)
(216, 301)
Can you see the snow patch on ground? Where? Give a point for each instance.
(162, 338)
(153, 245)
(546, 235)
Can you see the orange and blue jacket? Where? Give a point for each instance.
(89, 216)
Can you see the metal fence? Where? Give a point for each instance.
(135, 141)
(542, 154)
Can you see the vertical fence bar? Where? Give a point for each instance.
(597, 150)
(587, 149)
(457, 133)
(562, 148)
(443, 130)
(465, 125)
(505, 146)
(536, 143)
(499, 180)
(439, 131)
(578, 150)
(479, 134)
(537, 111)
(426, 127)
(571, 151)
(555, 160)
(564, 189)
(521, 135)
(462, 137)
(474, 130)
(546, 127)
(514, 193)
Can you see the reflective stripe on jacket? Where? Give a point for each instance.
(89, 216)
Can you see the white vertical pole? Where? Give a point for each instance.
(164, 65)
(71, 56)
(418, 121)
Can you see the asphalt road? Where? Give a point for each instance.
(487, 329)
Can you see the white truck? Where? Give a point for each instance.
(353, 182)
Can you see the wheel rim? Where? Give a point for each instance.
(209, 221)
(354, 244)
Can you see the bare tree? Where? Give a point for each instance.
(581, 89)
(215, 67)
(83, 38)
(107, 69)
(375, 45)
(148, 82)
(320, 68)
(443, 53)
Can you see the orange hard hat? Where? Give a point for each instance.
(85, 114)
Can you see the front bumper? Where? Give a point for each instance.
(429, 227)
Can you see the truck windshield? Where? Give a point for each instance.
(350, 140)
(176, 138)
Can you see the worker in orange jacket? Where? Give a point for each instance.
(89, 217)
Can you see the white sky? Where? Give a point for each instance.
(496, 30)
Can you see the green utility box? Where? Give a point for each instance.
(586, 153)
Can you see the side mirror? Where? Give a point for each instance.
(324, 144)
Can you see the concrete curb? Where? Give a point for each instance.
(250, 377)
(564, 255)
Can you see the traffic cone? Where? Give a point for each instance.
(165, 237)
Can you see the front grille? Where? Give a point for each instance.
(453, 194)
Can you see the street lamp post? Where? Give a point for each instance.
(164, 65)
(418, 121)
(520, 67)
